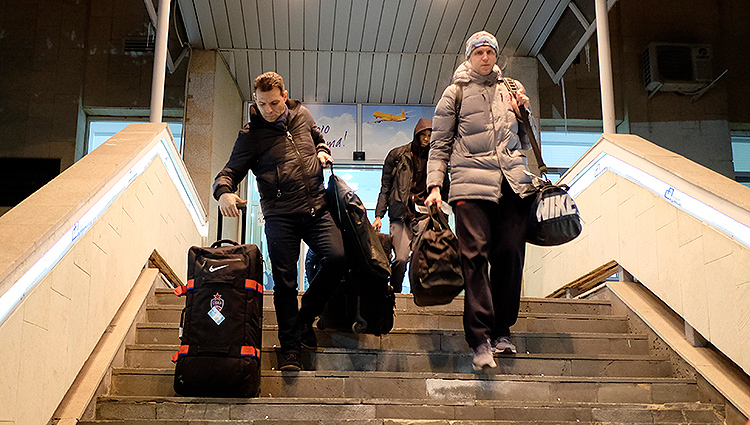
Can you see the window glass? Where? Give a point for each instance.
(364, 179)
(563, 149)
(101, 130)
(741, 156)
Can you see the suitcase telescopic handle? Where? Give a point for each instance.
(220, 226)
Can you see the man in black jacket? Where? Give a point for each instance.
(285, 150)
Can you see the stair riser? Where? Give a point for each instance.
(406, 302)
(455, 342)
(454, 322)
(449, 341)
(290, 385)
(434, 362)
(170, 411)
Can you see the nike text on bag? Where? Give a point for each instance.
(554, 218)
(435, 268)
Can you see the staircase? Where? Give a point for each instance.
(577, 363)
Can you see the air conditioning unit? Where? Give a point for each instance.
(676, 66)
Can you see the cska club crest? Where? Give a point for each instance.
(217, 302)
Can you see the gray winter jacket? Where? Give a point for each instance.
(489, 142)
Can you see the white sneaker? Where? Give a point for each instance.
(483, 357)
(503, 345)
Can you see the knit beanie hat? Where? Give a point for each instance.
(481, 38)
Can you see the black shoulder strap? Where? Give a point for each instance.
(459, 99)
(513, 89)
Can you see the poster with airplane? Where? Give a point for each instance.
(338, 123)
(385, 127)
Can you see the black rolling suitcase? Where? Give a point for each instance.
(364, 302)
(220, 328)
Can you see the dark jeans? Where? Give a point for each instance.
(492, 239)
(284, 234)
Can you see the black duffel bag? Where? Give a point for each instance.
(554, 218)
(435, 267)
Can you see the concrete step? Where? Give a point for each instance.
(406, 302)
(357, 411)
(435, 340)
(363, 422)
(527, 322)
(342, 359)
(391, 386)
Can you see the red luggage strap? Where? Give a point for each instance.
(255, 286)
(245, 350)
(249, 284)
(181, 290)
(181, 352)
(248, 350)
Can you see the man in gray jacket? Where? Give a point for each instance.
(490, 192)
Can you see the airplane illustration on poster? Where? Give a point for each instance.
(382, 116)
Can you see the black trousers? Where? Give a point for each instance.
(284, 234)
(492, 239)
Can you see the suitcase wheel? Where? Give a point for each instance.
(359, 326)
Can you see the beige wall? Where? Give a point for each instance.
(52, 332)
(213, 119)
(702, 273)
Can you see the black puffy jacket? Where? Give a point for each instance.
(285, 163)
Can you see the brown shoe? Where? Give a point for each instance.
(290, 362)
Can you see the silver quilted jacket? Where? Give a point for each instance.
(489, 142)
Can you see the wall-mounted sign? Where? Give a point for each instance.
(385, 127)
(338, 123)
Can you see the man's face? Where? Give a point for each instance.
(424, 137)
(271, 104)
(483, 59)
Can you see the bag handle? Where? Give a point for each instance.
(438, 219)
(335, 190)
(223, 241)
(243, 220)
(513, 89)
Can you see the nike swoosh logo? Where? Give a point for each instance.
(213, 269)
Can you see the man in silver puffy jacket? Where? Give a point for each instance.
(490, 192)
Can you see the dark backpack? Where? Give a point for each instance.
(435, 269)
(360, 238)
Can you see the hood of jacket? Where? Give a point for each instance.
(416, 145)
(464, 75)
